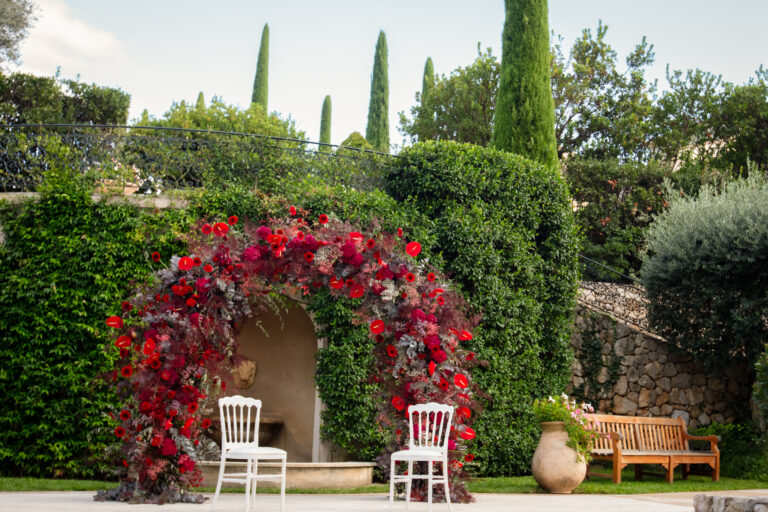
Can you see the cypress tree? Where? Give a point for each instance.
(260, 85)
(325, 124)
(377, 131)
(525, 112)
(200, 105)
(429, 79)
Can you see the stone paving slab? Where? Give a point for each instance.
(82, 501)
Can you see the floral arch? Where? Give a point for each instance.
(178, 334)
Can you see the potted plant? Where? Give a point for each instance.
(560, 461)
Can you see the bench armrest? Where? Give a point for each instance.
(713, 440)
(615, 438)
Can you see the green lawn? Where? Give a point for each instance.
(513, 485)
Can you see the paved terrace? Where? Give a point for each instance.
(83, 502)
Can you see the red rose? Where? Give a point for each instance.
(292, 211)
(308, 257)
(232, 220)
(126, 306)
(126, 371)
(468, 434)
(206, 423)
(206, 229)
(115, 322)
(370, 243)
(469, 457)
(391, 351)
(357, 291)
(398, 403)
(410, 277)
(120, 432)
(155, 256)
(323, 218)
(186, 263)
(220, 229)
(125, 414)
(192, 408)
(460, 380)
(377, 326)
(431, 277)
(413, 249)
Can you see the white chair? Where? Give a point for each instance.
(429, 428)
(240, 441)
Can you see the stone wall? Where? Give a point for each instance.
(623, 370)
(705, 503)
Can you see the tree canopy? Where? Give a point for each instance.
(16, 16)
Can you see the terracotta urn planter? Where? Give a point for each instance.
(556, 466)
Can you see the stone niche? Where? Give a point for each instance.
(623, 370)
(279, 370)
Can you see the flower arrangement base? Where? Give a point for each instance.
(556, 466)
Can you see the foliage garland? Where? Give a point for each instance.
(175, 338)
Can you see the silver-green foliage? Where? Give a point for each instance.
(706, 271)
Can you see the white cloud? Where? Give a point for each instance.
(58, 38)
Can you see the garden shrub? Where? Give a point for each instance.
(706, 272)
(743, 453)
(505, 232)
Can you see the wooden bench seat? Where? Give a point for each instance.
(638, 440)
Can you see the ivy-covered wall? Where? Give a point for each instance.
(499, 224)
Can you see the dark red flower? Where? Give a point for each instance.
(126, 371)
(155, 256)
(292, 211)
(232, 220)
(443, 384)
(123, 341)
(460, 380)
(413, 249)
(149, 346)
(206, 229)
(146, 406)
(120, 432)
(125, 463)
(165, 375)
(468, 434)
(400, 232)
(308, 257)
(323, 219)
(377, 326)
(398, 403)
(171, 394)
(206, 422)
(197, 261)
(410, 277)
(431, 277)
(169, 447)
(191, 302)
(125, 414)
(357, 291)
(440, 300)
(208, 268)
(371, 243)
(470, 356)
(192, 407)
(126, 306)
(115, 322)
(469, 457)
(391, 351)
(186, 263)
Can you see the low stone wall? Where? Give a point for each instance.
(704, 503)
(623, 370)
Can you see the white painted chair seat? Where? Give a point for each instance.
(240, 441)
(419, 454)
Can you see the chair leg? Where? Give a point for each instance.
(447, 488)
(392, 465)
(429, 488)
(218, 483)
(282, 488)
(248, 485)
(408, 484)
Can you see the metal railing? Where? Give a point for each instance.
(152, 159)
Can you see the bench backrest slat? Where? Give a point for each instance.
(641, 433)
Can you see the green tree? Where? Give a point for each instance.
(525, 117)
(428, 81)
(200, 105)
(459, 107)
(706, 272)
(377, 131)
(261, 80)
(15, 18)
(601, 111)
(325, 124)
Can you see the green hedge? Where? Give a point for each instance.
(506, 234)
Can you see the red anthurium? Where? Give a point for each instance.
(356, 291)
(463, 411)
(460, 380)
(413, 249)
(377, 326)
(149, 346)
(398, 403)
(465, 336)
(336, 283)
(432, 367)
(115, 322)
(468, 434)
(186, 263)
(220, 229)
(123, 342)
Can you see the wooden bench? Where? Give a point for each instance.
(639, 440)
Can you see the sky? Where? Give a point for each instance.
(169, 50)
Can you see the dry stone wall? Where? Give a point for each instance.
(622, 370)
